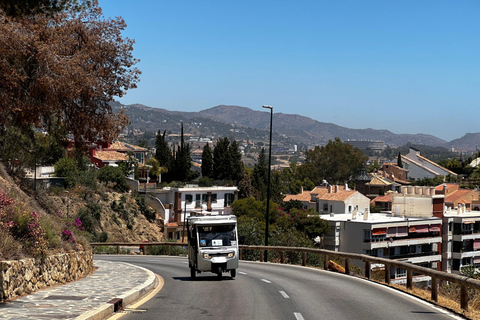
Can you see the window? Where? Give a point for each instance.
(367, 235)
(188, 198)
(140, 156)
(229, 198)
(198, 203)
(214, 197)
(400, 273)
(205, 198)
(325, 207)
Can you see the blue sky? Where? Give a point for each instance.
(405, 66)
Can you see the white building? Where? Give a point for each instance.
(180, 203)
(461, 239)
(410, 233)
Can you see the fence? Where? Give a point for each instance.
(435, 275)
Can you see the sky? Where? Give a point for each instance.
(407, 66)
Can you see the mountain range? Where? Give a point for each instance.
(245, 123)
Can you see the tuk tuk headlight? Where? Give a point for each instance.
(206, 256)
(230, 254)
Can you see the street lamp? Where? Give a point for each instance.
(269, 172)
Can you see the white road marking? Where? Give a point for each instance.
(284, 294)
(242, 272)
(298, 316)
(265, 280)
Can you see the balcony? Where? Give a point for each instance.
(413, 255)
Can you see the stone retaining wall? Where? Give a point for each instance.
(20, 277)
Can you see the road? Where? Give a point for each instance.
(271, 291)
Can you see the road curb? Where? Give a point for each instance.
(128, 298)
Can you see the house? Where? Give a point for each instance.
(384, 202)
(394, 173)
(305, 197)
(180, 203)
(338, 199)
(455, 195)
(420, 167)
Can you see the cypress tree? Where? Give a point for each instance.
(163, 154)
(399, 160)
(207, 161)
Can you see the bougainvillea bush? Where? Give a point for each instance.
(27, 233)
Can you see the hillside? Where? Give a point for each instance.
(60, 210)
(245, 123)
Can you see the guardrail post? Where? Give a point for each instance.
(304, 259)
(464, 297)
(325, 262)
(387, 273)
(144, 250)
(367, 269)
(434, 289)
(118, 249)
(347, 266)
(169, 249)
(261, 255)
(409, 279)
(282, 257)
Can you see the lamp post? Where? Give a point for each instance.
(268, 189)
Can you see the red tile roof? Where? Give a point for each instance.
(304, 196)
(385, 198)
(341, 195)
(121, 146)
(110, 156)
(457, 195)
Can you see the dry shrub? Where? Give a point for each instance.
(9, 247)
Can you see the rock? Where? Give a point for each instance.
(332, 266)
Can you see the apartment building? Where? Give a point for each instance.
(461, 239)
(410, 232)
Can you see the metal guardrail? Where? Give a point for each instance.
(436, 276)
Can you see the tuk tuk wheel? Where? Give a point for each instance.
(233, 273)
(193, 273)
(219, 272)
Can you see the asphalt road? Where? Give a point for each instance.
(271, 291)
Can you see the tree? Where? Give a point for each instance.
(113, 175)
(236, 164)
(260, 176)
(336, 162)
(19, 8)
(207, 161)
(66, 66)
(221, 159)
(163, 154)
(67, 168)
(399, 160)
(183, 161)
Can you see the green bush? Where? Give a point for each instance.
(113, 175)
(163, 250)
(67, 168)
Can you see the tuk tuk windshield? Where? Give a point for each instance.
(215, 236)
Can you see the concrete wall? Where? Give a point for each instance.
(20, 277)
(156, 204)
(132, 183)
